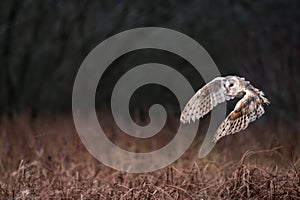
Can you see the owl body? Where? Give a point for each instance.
(220, 89)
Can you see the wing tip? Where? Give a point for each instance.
(189, 119)
(214, 140)
(184, 120)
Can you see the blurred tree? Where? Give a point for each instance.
(42, 44)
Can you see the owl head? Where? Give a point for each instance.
(233, 85)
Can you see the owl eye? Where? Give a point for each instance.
(231, 84)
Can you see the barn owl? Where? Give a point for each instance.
(221, 89)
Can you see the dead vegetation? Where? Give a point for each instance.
(44, 159)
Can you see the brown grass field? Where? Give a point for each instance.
(44, 159)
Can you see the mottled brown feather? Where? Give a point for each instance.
(248, 109)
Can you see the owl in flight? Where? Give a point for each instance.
(247, 110)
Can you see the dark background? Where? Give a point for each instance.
(43, 43)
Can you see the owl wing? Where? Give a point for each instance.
(247, 110)
(204, 100)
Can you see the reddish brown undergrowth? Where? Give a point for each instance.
(44, 159)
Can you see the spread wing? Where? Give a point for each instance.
(204, 100)
(247, 110)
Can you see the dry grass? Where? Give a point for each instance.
(44, 159)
